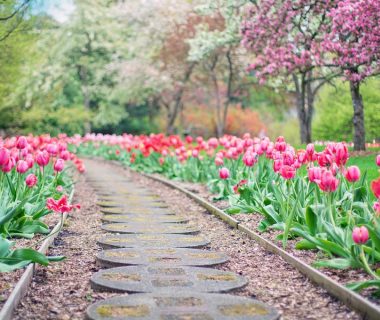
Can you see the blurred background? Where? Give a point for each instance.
(142, 66)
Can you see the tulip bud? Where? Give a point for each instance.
(360, 235)
(378, 160)
(314, 174)
(31, 180)
(4, 156)
(249, 159)
(224, 173)
(9, 165)
(287, 172)
(52, 149)
(21, 143)
(22, 166)
(42, 158)
(59, 165)
(328, 181)
(219, 161)
(352, 174)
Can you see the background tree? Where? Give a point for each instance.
(354, 41)
(285, 38)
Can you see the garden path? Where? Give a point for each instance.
(149, 251)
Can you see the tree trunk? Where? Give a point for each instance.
(303, 112)
(358, 119)
(86, 96)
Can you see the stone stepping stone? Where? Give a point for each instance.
(160, 256)
(137, 218)
(132, 199)
(137, 210)
(152, 240)
(150, 228)
(129, 204)
(180, 306)
(141, 279)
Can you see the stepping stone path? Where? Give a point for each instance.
(149, 251)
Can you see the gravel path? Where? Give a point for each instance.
(62, 290)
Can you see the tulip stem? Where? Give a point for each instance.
(331, 209)
(365, 264)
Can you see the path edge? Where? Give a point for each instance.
(22, 285)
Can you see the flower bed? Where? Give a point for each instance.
(33, 183)
(312, 199)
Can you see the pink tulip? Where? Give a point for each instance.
(59, 165)
(52, 149)
(360, 235)
(378, 160)
(376, 207)
(30, 160)
(277, 164)
(352, 174)
(314, 174)
(9, 165)
(21, 143)
(341, 155)
(4, 156)
(195, 153)
(42, 158)
(22, 166)
(249, 159)
(31, 180)
(328, 182)
(287, 172)
(219, 161)
(224, 173)
(65, 155)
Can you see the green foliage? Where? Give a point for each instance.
(334, 112)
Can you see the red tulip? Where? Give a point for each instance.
(224, 173)
(59, 165)
(287, 172)
(328, 182)
(360, 235)
(4, 156)
(31, 180)
(237, 186)
(375, 187)
(22, 166)
(21, 143)
(60, 205)
(352, 174)
(42, 158)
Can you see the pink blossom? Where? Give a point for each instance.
(31, 180)
(360, 235)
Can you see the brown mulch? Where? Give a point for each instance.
(62, 290)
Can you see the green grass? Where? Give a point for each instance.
(366, 164)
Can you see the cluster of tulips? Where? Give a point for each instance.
(33, 175)
(310, 197)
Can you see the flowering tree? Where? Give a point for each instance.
(285, 37)
(354, 41)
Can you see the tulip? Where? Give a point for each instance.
(9, 165)
(249, 159)
(314, 174)
(360, 235)
(21, 143)
(375, 187)
(22, 166)
(219, 161)
(195, 153)
(224, 173)
(30, 160)
(328, 182)
(65, 155)
(376, 207)
(378, 160)
(42, 158)
(341, 155)
(52, 149)
(59, 165)
(4, 156)
(31, 180)
(352, 174)
(287, 172)
(277, 164)
(161, 160)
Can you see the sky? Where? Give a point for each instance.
(60, 10)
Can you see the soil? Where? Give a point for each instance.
(62, 290)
